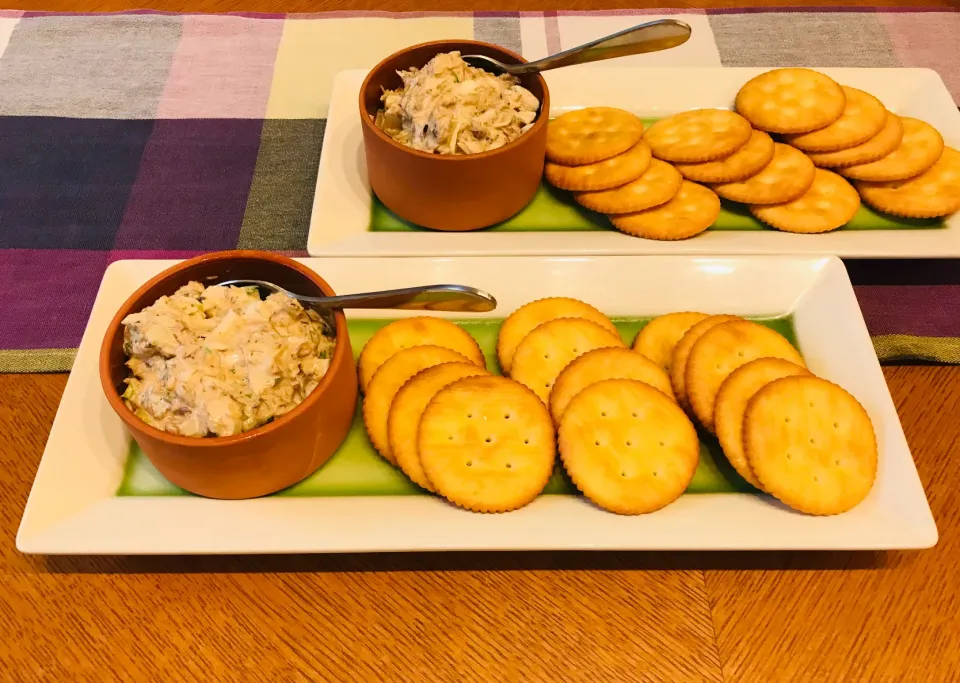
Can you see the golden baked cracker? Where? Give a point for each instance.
(791, 101)
(811, 445)
(919, 148)
(723, 349)
(407, 408)
(586, 136)
(416, 331)
(830, 203)
(863, 116)
(659, 336)
(487, 444)
(545, 352)
(386, 382)
(600, 364)
(694, 209)
(735, 392)
(788, 175)
(880, 145)
(935, 192)
(743, 163)
(681, 352)
(522, 322)
(603, 175)
(697, 135)
(627, 447)
(658, 185)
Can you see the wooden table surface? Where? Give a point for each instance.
(552, 617)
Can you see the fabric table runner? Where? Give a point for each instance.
(151, 135)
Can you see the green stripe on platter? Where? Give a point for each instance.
(356, 469)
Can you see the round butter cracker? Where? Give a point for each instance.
(657, 339)
(791, 100)
(735, 392)
(627, 447)
(743, 163)
(919, 149)
(658, 185)
(403, 422)
(880, 145)
(487, 444)
(788, 175)
(811, 445)
(416, 331)
(603, 175)
(681, 352)
(691, 211)
(600, 364)
(525, 319)
(863, 116)
(831, 202)
(546, 351)
(723, 349)
(586, 136)
(697, 135)
(933, 193)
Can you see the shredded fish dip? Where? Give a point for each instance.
(218, 361)
(450, 107)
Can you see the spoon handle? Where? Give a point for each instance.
(649, 37)
(427, 298)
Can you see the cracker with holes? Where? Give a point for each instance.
(603, 175)
(546, 351)
(863, 116)
(880, 145)
(522, 322)
(697, 135)
(678, 364)
(600, 364)
(691, 211)
(811, 445)
(658, 185)
(386, 382)
(735, 392)
(830, 203)
(723, 349)
(657, 339)
(589, 135)
(407, 408)
(416, 331)
(627, 447)
(743, 163)
(791, 101)
(919, 149)
(789, 174)
(487, 444)
(933, 193)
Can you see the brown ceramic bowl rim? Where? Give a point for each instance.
(116, 402)
(448, 158)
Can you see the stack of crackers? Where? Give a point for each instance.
(622, 419)
(899, 165)
(665, 183)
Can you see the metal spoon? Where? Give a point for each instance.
(458, 298)
(649, 37)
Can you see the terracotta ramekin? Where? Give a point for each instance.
(268, 458)
(445, 192)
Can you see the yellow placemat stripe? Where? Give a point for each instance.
(37, 360)
(892, 347)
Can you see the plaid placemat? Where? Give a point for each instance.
(151, 135)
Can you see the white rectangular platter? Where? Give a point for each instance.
(73, 509)
(340, 221)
